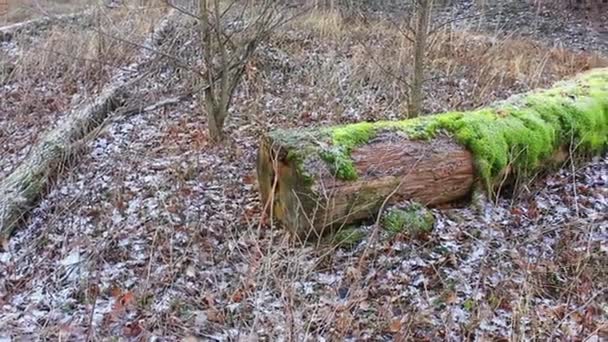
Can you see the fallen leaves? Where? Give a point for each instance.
(213, 189)
(395, 325)
(214, 314)
(132, 329)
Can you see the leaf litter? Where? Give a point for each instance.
(158, 234)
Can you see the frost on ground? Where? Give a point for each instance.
(158, 233)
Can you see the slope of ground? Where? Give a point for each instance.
(579, 27)
(156, 232)
(56, 69)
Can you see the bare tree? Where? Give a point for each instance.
(417, 32)
(421, 31)
(230, 33)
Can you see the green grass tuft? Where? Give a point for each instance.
(349, 237)
(414, 220)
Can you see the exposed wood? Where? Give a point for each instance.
(24, 186)
(430, 172)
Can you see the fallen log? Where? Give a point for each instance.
(312, 180)
(20, 190)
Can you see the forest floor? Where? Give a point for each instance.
(156, 232)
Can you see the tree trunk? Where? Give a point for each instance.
(312, 180)
(24, 186)
(423, 13)
(216, 125)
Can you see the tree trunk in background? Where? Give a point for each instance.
(3, 11)
(423, 14)
(215, 119)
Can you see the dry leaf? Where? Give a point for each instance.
(132, 329)
(215, 315)
(395, 325)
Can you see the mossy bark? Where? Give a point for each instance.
(334, 176)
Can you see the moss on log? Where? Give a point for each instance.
(414, 220)
(313, 179)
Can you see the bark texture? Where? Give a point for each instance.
(423, 17)
(430, 172)
(28, 182)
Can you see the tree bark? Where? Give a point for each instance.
(314, 180)
(430, 172)
(216, 125)
(28, 182)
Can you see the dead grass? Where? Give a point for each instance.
(21, 10)
(363, 55)
(324, 23)
(81, 54)
(61, 68)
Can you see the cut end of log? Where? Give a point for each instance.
(285, 190)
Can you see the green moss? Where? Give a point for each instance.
(297, 158)
(299, 147)
(339, 161)
(521, 132)
(353, 135)
(349, 236)
(343, 140)
(414, 220)
(469, 304)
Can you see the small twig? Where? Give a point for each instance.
(573, 170)
(92, 315)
